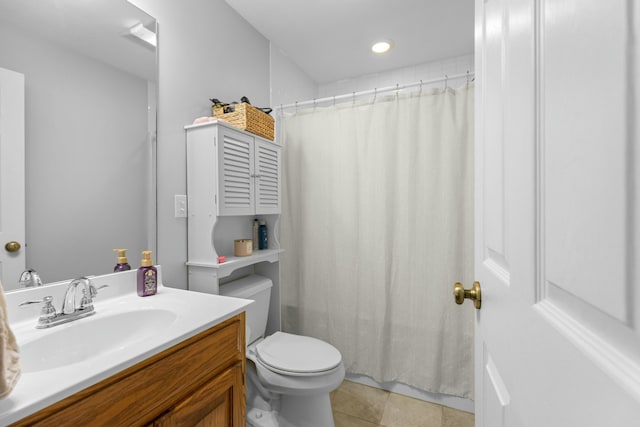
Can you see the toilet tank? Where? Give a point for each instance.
(258, 289)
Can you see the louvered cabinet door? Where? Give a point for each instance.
(235, 173)
(267, 174)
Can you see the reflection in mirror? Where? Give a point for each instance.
(90, 120)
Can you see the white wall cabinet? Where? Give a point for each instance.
(232, 177)
(248, 173)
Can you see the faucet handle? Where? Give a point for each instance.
(94, 290)
(48, 311)
(30, 278)
(87, 300)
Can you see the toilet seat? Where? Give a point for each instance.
(297, 355)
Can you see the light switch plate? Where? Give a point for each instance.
(180, 206)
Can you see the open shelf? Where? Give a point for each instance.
(233, 262)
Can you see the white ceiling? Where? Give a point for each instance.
(330, 39)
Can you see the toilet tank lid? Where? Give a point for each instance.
(246, 287)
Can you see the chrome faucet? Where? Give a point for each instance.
(29, 278)
(69, 312)
(89, 291)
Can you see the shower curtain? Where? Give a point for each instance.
(377, 225)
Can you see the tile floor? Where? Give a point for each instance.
(357, 405)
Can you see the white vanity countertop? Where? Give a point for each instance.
(37, 389)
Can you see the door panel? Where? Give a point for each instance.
(589, 223)
(493, 159)
(496, 397)
(585, 144)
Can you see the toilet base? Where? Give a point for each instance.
(268, 409)
(294, 412)
(260, 418)
(306, 411)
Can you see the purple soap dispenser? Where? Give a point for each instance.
(147, 276)
(123, 263)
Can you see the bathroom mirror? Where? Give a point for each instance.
(90, 126)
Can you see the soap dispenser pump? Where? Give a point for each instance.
(147, 276)
(123, 263)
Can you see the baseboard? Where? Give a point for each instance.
(455, 402)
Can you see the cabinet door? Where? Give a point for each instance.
(219, 403)
(235, 173)
(267, 167)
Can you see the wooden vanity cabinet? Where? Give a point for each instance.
(210, 406)
(198, 382)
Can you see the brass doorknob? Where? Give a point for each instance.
(12, 246)
(474, 294)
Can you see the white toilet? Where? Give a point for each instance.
(289, 377)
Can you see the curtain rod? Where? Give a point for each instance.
(376, 91)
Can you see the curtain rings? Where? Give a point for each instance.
(397, 89)
(420, 93)
(375, 94)
(353, 102)
(468, 77)
(296, 107)
(446, 82)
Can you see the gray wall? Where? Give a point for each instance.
(86, 149)
(288, 82)
(206, 50)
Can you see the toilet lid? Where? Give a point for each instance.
(295, 354)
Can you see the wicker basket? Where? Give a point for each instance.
(248, 118)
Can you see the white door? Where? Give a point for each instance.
(12, 181)
(558, 213)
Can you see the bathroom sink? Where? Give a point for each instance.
(125, 330)
(94, 336)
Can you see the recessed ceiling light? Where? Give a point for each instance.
(381, 47)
